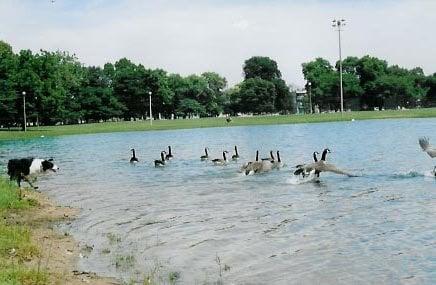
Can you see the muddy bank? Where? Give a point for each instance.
(59, 251)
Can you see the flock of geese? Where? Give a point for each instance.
(261, 165)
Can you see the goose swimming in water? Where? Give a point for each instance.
(206, 156)
(425, 145)
(169, 156)
(257, 166)
(315, 158)
(160, 162)
(321, 166)
(133, 159)
(236, 155)
(221, 161)
(277, 164)
(271, 158)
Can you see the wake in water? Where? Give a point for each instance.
(298, 179)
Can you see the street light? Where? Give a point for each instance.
(309, 85)
(24, 110)
(37, 112)
(151, 114)
(338, 24)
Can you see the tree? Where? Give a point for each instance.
(189, 107)
(283, 100)
(8, 95)
(97, 99)
(257, 96)
(262, 67)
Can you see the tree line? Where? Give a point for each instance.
(59, 89)
(368, 83)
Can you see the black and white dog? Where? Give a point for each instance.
(25, 168)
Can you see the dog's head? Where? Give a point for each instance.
(49, 165)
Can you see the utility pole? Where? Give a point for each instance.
(338, 24)
(24, 111)
(310, 96)
(151, 114)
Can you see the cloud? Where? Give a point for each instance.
(196, 36)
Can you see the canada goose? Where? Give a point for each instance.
(206, 156)
(236, 155)
(169, 156)
(221, 161)
(133, 159)
(315, 158)
(277, 164)
(425, 145)
(434, 171)
(321, 166)
(271, 158)
(160, 162)
(257, 166)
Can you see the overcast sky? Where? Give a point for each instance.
(194, 36)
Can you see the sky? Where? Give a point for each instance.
(193, 36)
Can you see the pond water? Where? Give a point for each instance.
(210, 223)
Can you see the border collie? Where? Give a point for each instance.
(23, 168)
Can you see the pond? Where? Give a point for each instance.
(203, 223)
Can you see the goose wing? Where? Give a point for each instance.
(327, 167)
(425, 145)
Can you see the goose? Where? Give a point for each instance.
(277, 164)
(236, 155)
(425, 145)
(160, 162)
(434, 171)
(321, 166)
(257, 166)
(133, 159)
(271, 158)
(206, 156)
(315, 158)
(221, 161)
(169, 156)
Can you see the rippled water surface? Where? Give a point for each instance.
(264, 229)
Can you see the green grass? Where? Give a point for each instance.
(9, 197)
(211, 122)
(16, 246)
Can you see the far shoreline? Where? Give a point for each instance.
(144, 125)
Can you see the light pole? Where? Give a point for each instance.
(37, 112)
(338, 24)
(151, 114)
(24, 111)
(309, 85)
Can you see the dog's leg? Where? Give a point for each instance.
(27, 179)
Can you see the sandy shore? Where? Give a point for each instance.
(60, 252)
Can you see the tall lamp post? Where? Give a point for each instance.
(24, 111)
(37, 112)
(309, 87)
(338, 24)
(151, 114)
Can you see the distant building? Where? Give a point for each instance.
(300, 102)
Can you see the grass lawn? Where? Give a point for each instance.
(211, 122)
(15, 241)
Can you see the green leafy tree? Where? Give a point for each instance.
(8, 95)
(262, 67)
(257, 96)
(189, 107)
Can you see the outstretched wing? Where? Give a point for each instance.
(425, 145)
(331, 168)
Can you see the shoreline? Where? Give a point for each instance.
(131, 126)
(59, 252)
